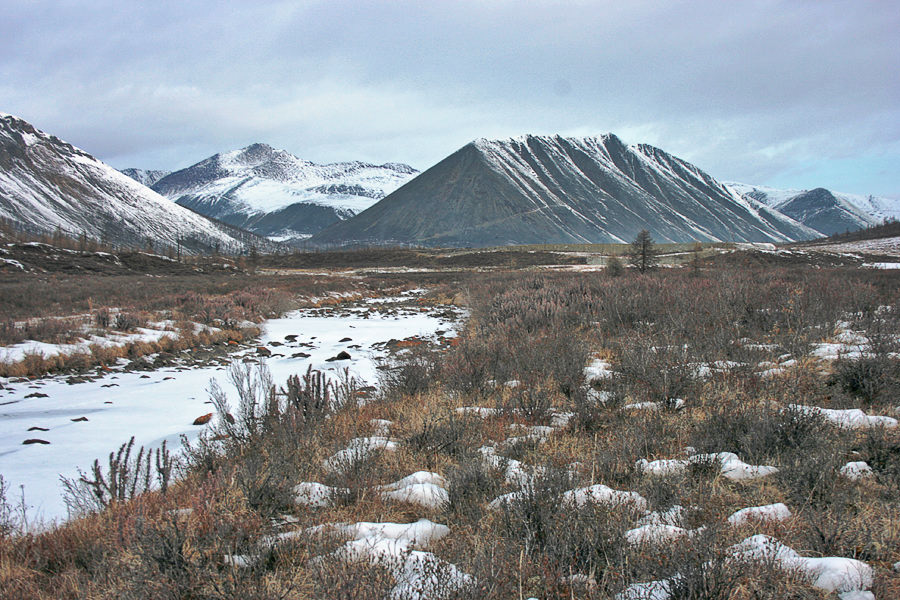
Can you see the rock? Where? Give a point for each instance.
(144, 377)
(346, 339)
(164, 358)
(342, 355)
(30, 441)
(37, 395)
(300, 355)
(203, 419)
(290, 338)
(263, 351)
(276, 344)
(109, 385)
(79, 420)
(38, 429)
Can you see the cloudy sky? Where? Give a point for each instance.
(789, 94)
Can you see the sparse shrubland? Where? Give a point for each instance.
(194, 310)
(683, 366)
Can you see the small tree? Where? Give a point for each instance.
(696, 252)
(613, 266)
(643, 255)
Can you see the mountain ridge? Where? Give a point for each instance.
(553, 189)
(48, 184)
(843, 210)
(145, 176)
(277, 194)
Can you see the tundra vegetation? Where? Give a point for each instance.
(573, 443)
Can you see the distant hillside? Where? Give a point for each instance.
(275, 194)
(147, 177)
(538, 189)
(824, 210)
(47, 184)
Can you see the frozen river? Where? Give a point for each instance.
(89, 420)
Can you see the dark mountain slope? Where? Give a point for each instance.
(561, 190)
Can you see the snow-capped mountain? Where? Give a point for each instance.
(146, 176)
(824, 210)
(543, 189)
(47, 184)
(273, 193)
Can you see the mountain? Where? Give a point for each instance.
(823, 210)
(542, 189)
(47, 184)
(275, 194)
(146, 176)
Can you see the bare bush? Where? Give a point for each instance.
(125, 478)
(127, 321)
(8, 521)
(266, 437)
(411, 372)
(471, 484)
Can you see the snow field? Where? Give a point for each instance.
(161, 405)
(154, 332)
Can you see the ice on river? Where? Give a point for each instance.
(164, 406)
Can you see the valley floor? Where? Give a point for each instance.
(707, 432)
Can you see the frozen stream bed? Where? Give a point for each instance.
(88, 420)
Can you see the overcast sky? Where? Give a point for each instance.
(790, 94)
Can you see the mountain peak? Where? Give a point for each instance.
(552, 189)
(48, 184)
(272, 192)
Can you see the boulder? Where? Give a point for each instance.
(203, 419)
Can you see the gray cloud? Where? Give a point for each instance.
(787, 93)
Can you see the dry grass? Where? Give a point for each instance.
(538, 331)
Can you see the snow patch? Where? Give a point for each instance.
(851, 418)
(769, 512)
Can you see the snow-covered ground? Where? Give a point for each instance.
(161, 405)
(154, 332)
(889, 246)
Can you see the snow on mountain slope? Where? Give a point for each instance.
(767, 195)
(881, 209)
(274, 193)
(550, 189)
(146, 176)
(48, 184)
(833, 212)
